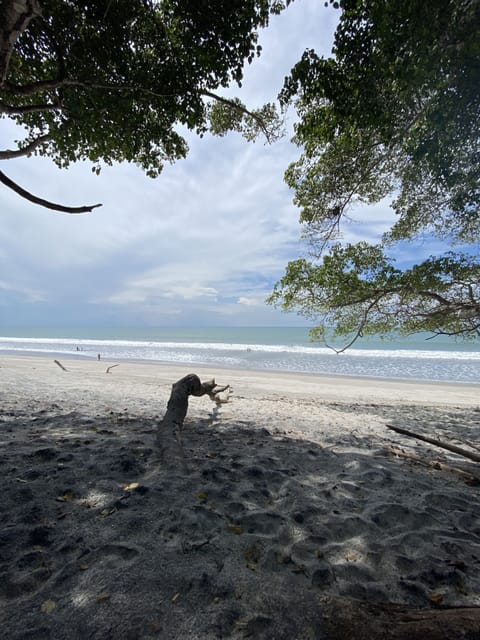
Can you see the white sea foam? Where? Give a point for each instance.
(388, 361)
(135, 346)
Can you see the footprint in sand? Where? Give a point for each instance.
(46, 454)
(17, 585)
(398, 516)
(266, 523)
(31, 571)
(114, 555)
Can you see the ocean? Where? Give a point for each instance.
(255, 348)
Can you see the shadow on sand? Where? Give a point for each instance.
(266, 537)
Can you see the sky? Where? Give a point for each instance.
(202, 245)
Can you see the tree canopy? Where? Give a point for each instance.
(110, 81)
(393, 113)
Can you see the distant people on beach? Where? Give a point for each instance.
(98, 356)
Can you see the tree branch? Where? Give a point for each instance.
(434, 296)
(57, 83)
(242, 109)
(15, 16)
(474, 327)
(358, 333)
(29, 108)
(24, 151)
(44, 203)
(38, 87)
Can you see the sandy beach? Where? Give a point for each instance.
(302, 515)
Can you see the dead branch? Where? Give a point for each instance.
(438, 443)
(44, 203)
(466, 476)
(169, 430)
(60, 365)
(215, 394)
(348, 618)
(111, 367)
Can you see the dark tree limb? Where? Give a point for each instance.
(358, 333)
(58, 83)
(15, 16)
(44, 203)
(438, 443)
(169, 430)
(24, 151)
(29, 108)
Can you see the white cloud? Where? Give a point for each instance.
(249, 302)
(25, 293)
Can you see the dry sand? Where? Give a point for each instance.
(295, 499)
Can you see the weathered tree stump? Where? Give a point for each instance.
(169, 432)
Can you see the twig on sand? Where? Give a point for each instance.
(438, 443)
(112, 366)
(60, 365)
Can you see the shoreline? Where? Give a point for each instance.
(324, 386)
(399, 362)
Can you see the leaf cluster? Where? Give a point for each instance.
(356, 291)
(398, 107)
(111, 81)
(395, 112)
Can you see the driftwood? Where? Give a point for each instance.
(169, 430)
(112, 366)
(347, 618)
(57, 362)
(438, 443)
(468, 477)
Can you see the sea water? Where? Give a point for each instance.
(256, 348)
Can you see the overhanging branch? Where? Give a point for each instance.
(30, 108)
(44, 203)
(358, 332)
(24, 151)
(58, 83)
(49, 85)
(243, 110)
